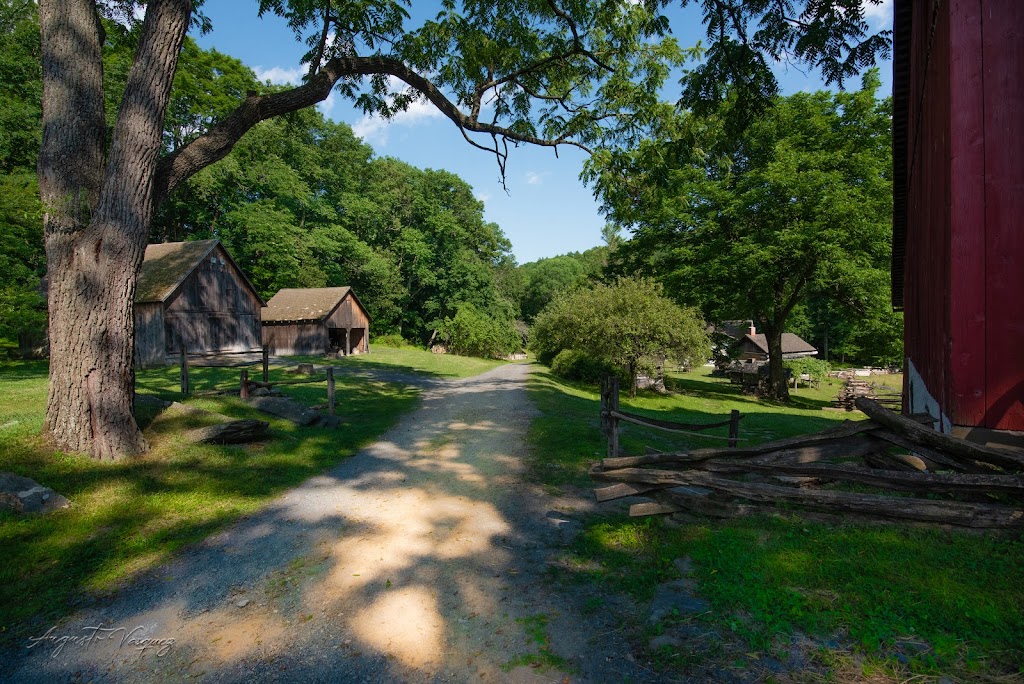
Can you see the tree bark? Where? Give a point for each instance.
(97, 214)
(777, 387)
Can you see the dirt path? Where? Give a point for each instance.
(420, 559)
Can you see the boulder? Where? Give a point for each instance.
(25, 495)
(287, 409)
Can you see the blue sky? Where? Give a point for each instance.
(547, 209)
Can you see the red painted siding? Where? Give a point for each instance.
(964, 268)
(1003, 57)
(967, 217)
(926, 289)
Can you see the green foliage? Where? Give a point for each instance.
(818, 369)
(391, 340)
(471, 332)
(794, 208)
(22, 261)
(21, 89)
(768, 578)
(577, 365)
(624, 324)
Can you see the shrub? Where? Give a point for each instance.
(818, 369)
(393, 340)
(573, 364)
(473, 333)
(626, 323)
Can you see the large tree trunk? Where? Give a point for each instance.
(97, 217)
(777, 387)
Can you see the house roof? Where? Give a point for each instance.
(167, 265)
(733, 329)
(291, 305)
(791, 343)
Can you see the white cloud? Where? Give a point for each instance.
(880, 14)
(534, 178)
(280, 75)
(482, 196)
(374, 129)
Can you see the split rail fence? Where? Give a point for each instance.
(245, 386)
(856, 469)
(612, 416)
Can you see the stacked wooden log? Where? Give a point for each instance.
(855, 387)
(851, 470)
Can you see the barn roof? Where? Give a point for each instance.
(168, 264)
(791, 343)
(292, 305)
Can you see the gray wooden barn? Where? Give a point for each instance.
(317, 320)
(193, 295)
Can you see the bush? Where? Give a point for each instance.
(473, 333)
(572, 364)
(393, 340)
(817, 369)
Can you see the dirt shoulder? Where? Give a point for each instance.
(420, 559)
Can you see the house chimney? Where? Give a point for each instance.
(753, 330)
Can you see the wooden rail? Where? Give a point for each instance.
(611, 416)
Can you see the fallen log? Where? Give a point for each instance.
(235, 432)
(936, 457)
(956, 448)
(871, 505)
(624, 489)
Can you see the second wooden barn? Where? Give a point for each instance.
(318, 320)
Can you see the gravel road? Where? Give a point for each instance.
(421, 559)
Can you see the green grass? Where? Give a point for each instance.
(413, 360)
(128, 517)
(766, 578)
(568, 433)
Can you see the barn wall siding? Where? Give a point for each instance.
(1003, 57)
(295, 339)
(964, 314)
(213, 310)
(149, 335)
(350, 315)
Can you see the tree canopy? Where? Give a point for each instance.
(753, 225)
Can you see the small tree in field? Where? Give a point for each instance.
(626, 323)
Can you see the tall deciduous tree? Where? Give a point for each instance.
(749, 225)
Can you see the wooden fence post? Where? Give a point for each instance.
(184, 372)
(613, 422)
(330, 389)
(734, 427)
(604, 407)
(266, 364)
(243, 391)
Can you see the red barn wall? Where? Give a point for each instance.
(964, 282)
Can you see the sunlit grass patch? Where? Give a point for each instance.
(130, 516)
(903, 600)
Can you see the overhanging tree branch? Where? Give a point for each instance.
(214, 145)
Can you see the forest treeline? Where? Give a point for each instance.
(301, 202)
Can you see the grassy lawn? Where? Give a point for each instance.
(412, 360)
(883, 603)
(130, 516)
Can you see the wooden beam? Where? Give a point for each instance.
(956, 448)
(871, 505)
